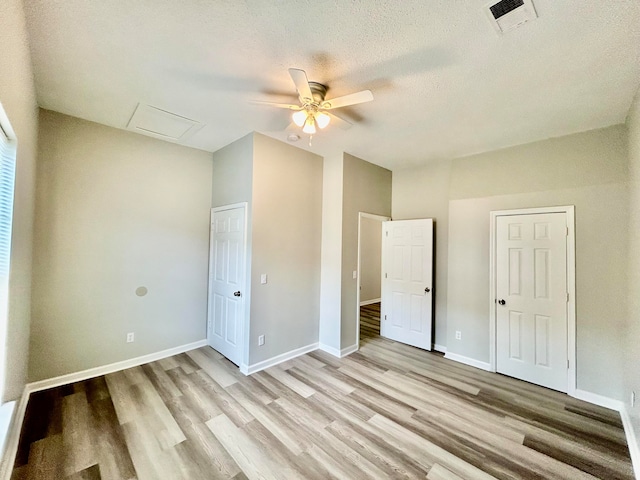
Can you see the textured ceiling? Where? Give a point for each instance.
(445, 83)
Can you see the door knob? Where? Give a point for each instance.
(236, 294)
(427, 289)
(501, 302)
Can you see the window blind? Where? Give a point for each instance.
(7, 183)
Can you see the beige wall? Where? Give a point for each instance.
(588, 170)
(232, 173)
(632, 332)
(366, 188)
(116, 211)
(370, 258)
(17, 95)
(286, 239)
(424, 193)
(282, 186)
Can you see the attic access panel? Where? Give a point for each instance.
(159, 123)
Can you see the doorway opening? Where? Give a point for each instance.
(369, 275)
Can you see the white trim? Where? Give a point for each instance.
(339, 353)
(6, 131)
(569, 211)
(370, 302)
(468, 361)
(439, 348)
(5, 125)
(243, 334)
(13, 436)
(380, 218)
(599, 400)
(6, 420)
(349, 350)
(112, 367)
(283, 357)
(632, 440)
(330, 350)
(231, 206)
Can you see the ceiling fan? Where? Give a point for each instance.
(313, 110)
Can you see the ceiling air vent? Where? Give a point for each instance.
(506, 15)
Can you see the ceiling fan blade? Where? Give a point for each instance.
(339, 122)
(277, 105)
(351, 99)
(299, 78)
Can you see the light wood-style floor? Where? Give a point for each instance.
(370, 320)
(387, 411)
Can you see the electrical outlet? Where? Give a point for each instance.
(355, 274)
(261, 340)
(130, 337)
(633, 399)
(458, 335)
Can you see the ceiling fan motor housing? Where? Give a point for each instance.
(318, 91)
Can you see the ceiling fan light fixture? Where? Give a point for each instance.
(310, 125)
(299, 117)
(322, 119)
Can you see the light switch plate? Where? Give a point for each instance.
(263, 278)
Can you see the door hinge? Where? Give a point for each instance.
(567, 364)
(385, 317)
(567, 232)
(385, 275)
(567, 297)
(386, 233)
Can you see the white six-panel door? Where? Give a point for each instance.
(531, 291)
(226, 282)
(407, 265)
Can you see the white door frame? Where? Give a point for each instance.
(569, 210)
(380, 218)
(246, 297)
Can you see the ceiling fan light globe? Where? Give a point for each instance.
(322, 119)
(310, 126)
(299, 117)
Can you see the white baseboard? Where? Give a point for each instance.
(283, 357)
(338, 353)
(468, 361)
(330, 350)
(369, 302)
(439, 348)
(599, 400)
(13, 436)
(113, 367)
(632, 440)
(348, 350)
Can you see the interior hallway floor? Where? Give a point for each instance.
(370, 320)
(386, 411)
